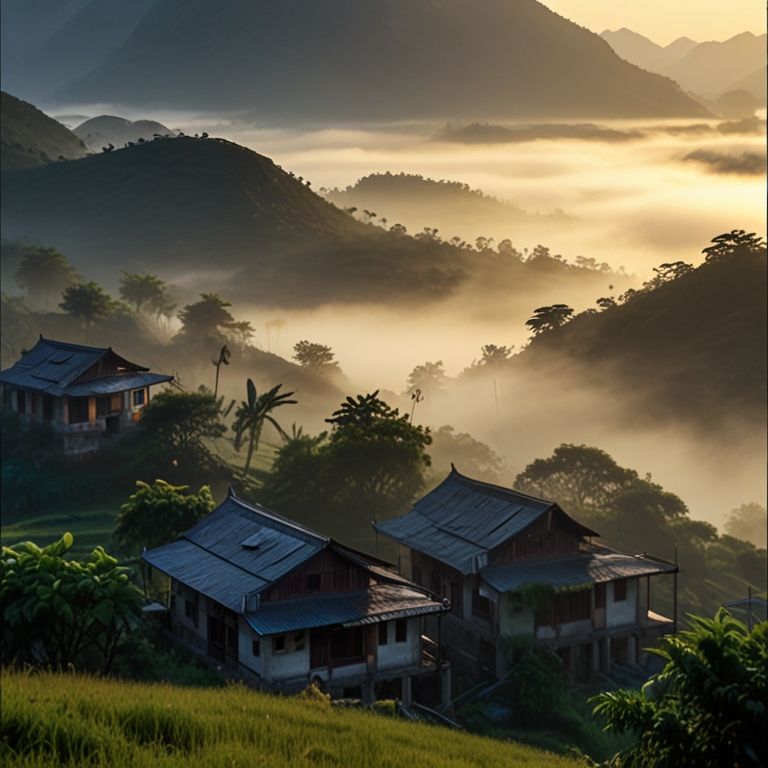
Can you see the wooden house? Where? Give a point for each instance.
(512, 565)
(84, 393)
(282, 606)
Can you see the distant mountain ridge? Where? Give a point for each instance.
(707, 69)
(28, 137)
(379, 59)
(103, 130)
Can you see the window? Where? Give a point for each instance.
(600, 595)
(255, 648)
(298, 641)
(481, 606)
(313, 582)
(383, 633)
(401, 630)
(278, 644)
(139, 396)
(190, 610)
(78, 410)
(619, 590)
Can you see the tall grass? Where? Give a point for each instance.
(59, 719)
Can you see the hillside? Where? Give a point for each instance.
(69, 42)
(65, 719)
(707, 69)
(693, 349)
(103, 130)
(29, 138)
(207, 214)
(331, 59)
(451, 206)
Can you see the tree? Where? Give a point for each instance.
(494, 356)
(706, 708)
(44, 274)
(252, 414)
(748, 522)
(146, 292)
(430, 378)
(549, 318)
(311, 355)
(472, 457)
(87, 302)
(733, 243)
(59, 610)
(156, 514)
(207, 317)
(179, 422)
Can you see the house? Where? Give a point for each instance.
(84, 393)
(512, 564)
(282, 606)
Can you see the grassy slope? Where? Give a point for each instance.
(55, 720)
(29, 138)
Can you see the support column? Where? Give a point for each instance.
(595, 656)
(406, 691)
(607, 654)
(445, 688)
(632, 649)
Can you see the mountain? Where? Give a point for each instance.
(643, 52)
(382, 59)
(707, 69)
(454, 208)
(28, 137)
(712, 67)
(693, 349)
(108, 129)
(755, 83)
(71, 48)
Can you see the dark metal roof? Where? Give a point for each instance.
(238, 549)
(382, 602)
(114, 384)
(462, 519)
(52, 367)
(598, 564)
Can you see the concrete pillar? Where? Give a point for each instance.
(406, 691)
(368, 693)
(632, 649)
(607, 656)
(595, 656)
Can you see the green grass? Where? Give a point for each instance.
(71, 720)
(91, 527)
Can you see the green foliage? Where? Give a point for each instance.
(549, 318)
(253, 413)
(371, 465)
(59, 611)
(44, 273)
(534, 597)
(146, 292)
(312, 355)
(430, 378)
(69, 720)
(472, 457)
(537, 684)
(180, 421)
(87, 302)
(156, 514)
(207, 317)
(706, 708)
(749, 523)
(737, 242)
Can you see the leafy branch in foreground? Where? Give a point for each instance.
(706, 708)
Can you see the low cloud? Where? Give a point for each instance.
(747, 163)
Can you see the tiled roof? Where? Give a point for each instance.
(462, 519)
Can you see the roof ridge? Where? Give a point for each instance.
(71, 344)
(268, 513)
(494, 487)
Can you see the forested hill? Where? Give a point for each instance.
(28, 137)
(693, 348)
(211, 215)
(379, 59)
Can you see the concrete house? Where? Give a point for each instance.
(512, 564)
(84, 393)
(282, 606)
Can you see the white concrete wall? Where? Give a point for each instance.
(287, 664)
(404, 654)
(570, 629)
(624, 612)
(245, 639)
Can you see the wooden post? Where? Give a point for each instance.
(674, 594)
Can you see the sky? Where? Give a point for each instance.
(665, 20)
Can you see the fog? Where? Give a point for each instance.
(633, 204)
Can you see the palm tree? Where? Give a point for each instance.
(251, 415)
